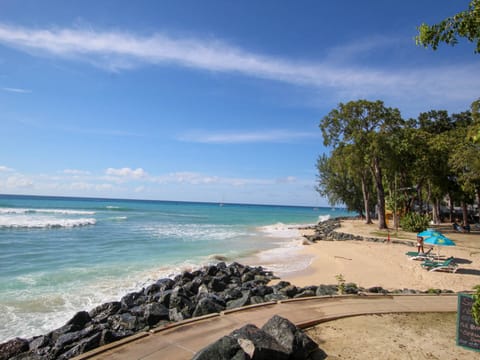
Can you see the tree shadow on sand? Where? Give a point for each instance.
(468, 271)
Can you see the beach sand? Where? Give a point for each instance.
(394, 336)
(385, 264)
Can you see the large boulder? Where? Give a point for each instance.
(258, 344)
(224, 348)
(278, 339)
(297, 343)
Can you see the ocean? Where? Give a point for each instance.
(62, 255)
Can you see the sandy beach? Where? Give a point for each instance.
(395, 336)
(385, 264)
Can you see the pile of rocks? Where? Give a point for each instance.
(277, 339)
(211, 289)
(208, 290)
(326, 231)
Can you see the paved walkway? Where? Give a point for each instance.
(181, 341)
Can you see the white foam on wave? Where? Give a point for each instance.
(39, 222)
(280, 230)
(195, 232)
(323, 218)
(13, 211)
(287, 256)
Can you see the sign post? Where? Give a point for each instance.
(468, 333)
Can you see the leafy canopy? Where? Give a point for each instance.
(465, 24)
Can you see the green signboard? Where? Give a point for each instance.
(468, 333)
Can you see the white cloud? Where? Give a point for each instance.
(127, 173)
(18, 182)
(117, 50)
(5, 169)
(287, 180)
(246, 137)
(17, 90)
(76, 172)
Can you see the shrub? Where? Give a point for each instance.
(414, 222)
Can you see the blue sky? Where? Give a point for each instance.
(205, 100)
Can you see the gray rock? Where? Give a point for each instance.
(208, 305)
(13, 347)
(324, 290)
(244, 300)
(226, 348)
(154, 313)
(258, 344)
(102, 312)
(298, 345)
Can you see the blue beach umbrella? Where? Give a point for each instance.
(428, 233)
(438, 241)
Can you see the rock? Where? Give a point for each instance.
(289, 291)
(305, 293)
(258, 344)
(80, 319)
(351, 288)
(178, 314)
(298, 344)
(109, 336)
(208, 305)
(39, 342)
(12, 348)
(377, 290)
(102, 312)
(256, 300)
(132, 299)
(126, 321)
(324, 290)
(275, 297)
(154, 313)
(244, 300)
(218, 283)
(165, 284)
(83, 346)
(224, 348)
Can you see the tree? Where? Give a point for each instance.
(339, 177)
(465, 24)
(365, 125)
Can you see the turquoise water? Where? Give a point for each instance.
(62, 255)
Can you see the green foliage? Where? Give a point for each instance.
(465, 24)
(341, 283)
(414, 222)
(476, 305)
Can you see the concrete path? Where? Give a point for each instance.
(183, 340)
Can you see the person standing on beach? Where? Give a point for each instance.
(420, 244)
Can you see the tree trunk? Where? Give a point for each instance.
(366, 202)
(464, 213)
(377, 172)
(450, 203)
(436, 212)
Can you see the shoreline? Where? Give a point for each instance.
(372, 266)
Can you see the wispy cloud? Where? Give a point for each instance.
(246, 137)
(127, 172)
(5, 169)
(16, 90)
(117, 50)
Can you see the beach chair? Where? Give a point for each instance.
(415, 255)
(447, 265)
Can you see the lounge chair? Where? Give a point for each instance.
(447, 265)
(415, 255)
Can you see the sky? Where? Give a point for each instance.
(216, 101)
